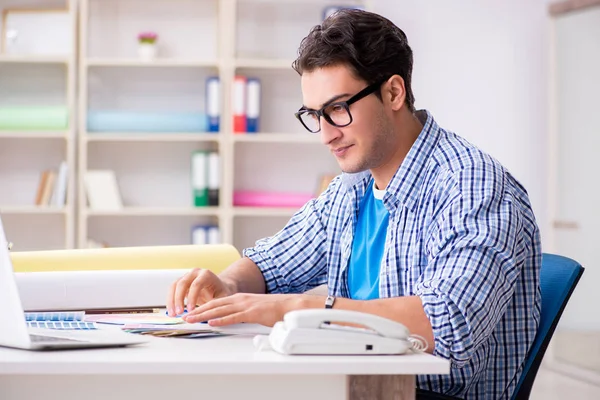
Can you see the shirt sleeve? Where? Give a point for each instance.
(476, 247)
(294, 259)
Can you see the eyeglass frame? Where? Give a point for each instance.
(345, 103)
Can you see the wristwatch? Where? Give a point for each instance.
(329, 301)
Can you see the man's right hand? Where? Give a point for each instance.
(199, 286)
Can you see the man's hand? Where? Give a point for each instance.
(199, 286)
(264, 309)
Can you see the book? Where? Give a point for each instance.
(39, 196)
(102, 190)
(59, 196)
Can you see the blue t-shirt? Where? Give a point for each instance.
(368, 245)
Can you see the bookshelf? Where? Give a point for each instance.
(153, 168)
(29, 80)
(197, 39)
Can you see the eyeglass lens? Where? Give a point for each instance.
(336, 114)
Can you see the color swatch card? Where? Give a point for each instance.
(123, 319)
(62, 325)
(55, 316)
(64, 320)
(189, 331)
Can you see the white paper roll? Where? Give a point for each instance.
(85, 290)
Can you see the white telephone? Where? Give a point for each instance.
(315, 332)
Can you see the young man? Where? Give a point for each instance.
(421, 227)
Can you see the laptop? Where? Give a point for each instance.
(15, 333)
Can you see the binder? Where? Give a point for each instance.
(239, 104)
(252, 105)
(206, 234)
(213, 178)
(199, 235)
(213, 103)
(214, 235)
(199, 175)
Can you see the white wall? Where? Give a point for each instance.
(577, 146)
(480, 66)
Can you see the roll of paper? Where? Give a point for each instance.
(152, 122)
(34, 118)
(87, 290)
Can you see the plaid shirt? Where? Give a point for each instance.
(461, 236)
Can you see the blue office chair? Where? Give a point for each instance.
(558, 278)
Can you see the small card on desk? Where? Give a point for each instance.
(182, 331)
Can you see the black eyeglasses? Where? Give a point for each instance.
(337, 113)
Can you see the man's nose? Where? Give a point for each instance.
(329, 133)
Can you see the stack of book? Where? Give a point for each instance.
(52, 187)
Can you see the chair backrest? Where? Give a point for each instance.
(558, 277)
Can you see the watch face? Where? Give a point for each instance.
(329, 301)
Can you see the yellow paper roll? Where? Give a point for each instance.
(213, 257)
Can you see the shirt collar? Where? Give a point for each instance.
(403, 188)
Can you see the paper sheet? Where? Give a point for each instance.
(145, 319)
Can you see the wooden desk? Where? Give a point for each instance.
(213, 368)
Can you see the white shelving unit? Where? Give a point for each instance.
(152, 168)
(197, 39)
(37, 80)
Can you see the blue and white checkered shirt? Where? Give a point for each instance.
(462, 236)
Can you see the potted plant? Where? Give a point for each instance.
(147, 45)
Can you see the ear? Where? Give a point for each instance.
(394, 92)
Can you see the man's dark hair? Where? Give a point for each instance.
(370, 45)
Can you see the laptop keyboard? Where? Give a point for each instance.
(47, 339)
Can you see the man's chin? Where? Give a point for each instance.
(351, 169)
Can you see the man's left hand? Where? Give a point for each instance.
(264, 309)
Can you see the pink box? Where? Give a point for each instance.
(246, 198)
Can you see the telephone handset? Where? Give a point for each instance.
(316, 332)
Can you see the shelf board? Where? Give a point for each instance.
(34, 59)
(134, 62)
(264, 63)
(264, 211)
(34, 134)
(151, 137)
(156, 212)
(276, 138)
(32, 210)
